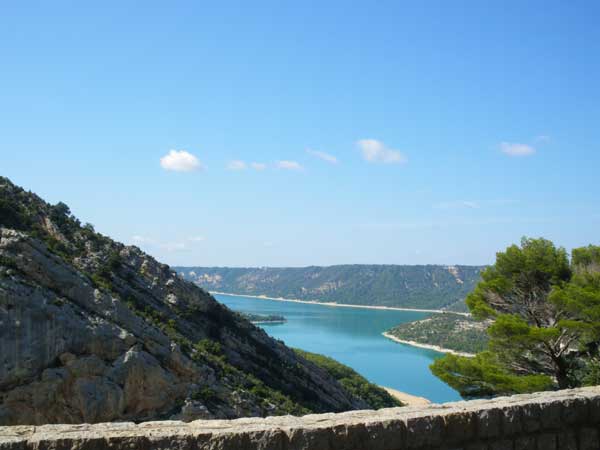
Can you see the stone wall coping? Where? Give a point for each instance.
(32, 435)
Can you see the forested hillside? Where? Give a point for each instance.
(429, 286)
(450, 331)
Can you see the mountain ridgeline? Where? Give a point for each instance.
(426, 287)
(92, 330)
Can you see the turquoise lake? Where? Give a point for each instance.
(353, 337)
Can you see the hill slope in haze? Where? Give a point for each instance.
(92, 330)
(427, 287)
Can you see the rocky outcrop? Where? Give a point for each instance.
(92, 330)
(563, 420)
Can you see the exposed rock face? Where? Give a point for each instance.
(564, 420)
(92, 330)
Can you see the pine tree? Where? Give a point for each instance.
(546, 330)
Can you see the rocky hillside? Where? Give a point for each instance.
(428, 287)
(92, 330)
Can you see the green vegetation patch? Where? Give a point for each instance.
(262, 318)
(210, 352)
(356, 384)
(452, 331)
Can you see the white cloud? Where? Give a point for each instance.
(258, 166)
(322, 155)
(376, 152)
(516, 149)
(197, 239)
(288, 165)
(236, 164)
(180, 161)
(458, 204)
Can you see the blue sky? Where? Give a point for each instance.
(314, 132)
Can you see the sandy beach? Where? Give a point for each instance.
(437, 348)
(343, 305)
(407, 399)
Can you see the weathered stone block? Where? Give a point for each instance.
(424, 431)
(300, 439)
(525, 443)
(369, 436)
(530, 414)
(274, 439)
(594, 409)
(489, 422)
(512, 421)
(574, 410)
(546, 441)
(505, 444)
(477, 446)
(588, 439)
(460, 427)
(567, 441)
(394, 434)
(13, 445)
(163, 442)
(224, 441)
(550, 415)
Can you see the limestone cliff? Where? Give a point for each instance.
(92, 330)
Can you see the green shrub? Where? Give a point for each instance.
(209, 346)
(205, 395)
(356, 384)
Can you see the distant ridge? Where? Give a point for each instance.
(418, 286)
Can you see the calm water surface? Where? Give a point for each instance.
(353, 337)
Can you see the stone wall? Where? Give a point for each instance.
(565, 420)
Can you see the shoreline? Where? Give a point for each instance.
(407, 399)
(343, 305)
(263, 322)
(436, 348)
